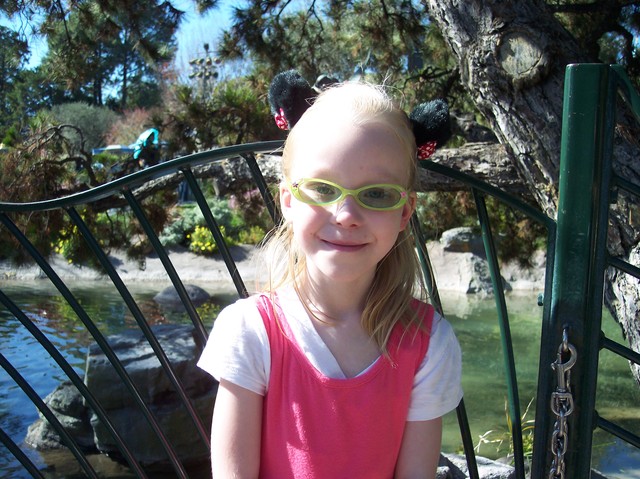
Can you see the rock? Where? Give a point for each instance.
(140, 362)
(66, 403)
(487, 469)
(466, 273)
(460, 265)
(462, 240)
(144, 368)
(138, 358)
(174, 421)
(526, 277)
(169, 297)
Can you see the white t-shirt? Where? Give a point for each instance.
(238, 351)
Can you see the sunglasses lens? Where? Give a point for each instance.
(318, 192)
(380, 197)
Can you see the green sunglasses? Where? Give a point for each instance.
(379, 197)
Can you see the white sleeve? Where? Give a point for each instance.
(437, 385)
(238, 348)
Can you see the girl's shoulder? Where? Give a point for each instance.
(425, 315)
(238, 347)
(422, 308)
(431, 324)
(241, 316)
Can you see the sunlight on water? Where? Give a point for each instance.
(473, 319)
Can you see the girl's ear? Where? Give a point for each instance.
(408, 209)
(285, 201)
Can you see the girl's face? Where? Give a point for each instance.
(344, 242)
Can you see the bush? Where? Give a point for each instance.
(201, 241)
(188, 227)
(94, 121)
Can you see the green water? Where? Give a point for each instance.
(477, 328)
(473, 319)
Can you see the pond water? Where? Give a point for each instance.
(474, 320)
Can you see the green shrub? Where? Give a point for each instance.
(188, 227)
(254, 235)
(94, 121)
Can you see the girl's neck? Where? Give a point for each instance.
(331, 302)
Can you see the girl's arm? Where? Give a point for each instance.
(235, 432)
(420, 450)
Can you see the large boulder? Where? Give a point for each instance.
(463, 272)
(157, 391)
(155, 388)
(462, 240)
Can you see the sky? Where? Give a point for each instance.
(196, 30)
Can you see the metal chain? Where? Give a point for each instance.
(562, 405)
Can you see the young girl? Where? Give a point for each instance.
(337, 371)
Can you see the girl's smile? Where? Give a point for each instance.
(345, 246)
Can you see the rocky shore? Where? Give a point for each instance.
(457, 261)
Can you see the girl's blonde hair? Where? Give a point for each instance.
(397, 278)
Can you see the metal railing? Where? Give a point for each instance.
(572, 334)
(575, 311)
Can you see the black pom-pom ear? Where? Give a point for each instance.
(289, 97)
(431, 126)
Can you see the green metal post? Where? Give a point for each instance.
(513, 394)
(577, 288)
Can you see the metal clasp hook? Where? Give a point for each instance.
(562, 368)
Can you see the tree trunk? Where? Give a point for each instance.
(512, 57)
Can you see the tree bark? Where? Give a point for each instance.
(512, 58)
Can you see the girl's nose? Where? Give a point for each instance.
(348, 212)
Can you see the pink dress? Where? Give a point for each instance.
(323, 428)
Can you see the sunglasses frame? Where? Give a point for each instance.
(294, 187)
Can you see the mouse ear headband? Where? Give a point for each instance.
(290, 95)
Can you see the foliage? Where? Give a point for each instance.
(12, 50)
(94, 121)
(234, 111)
(114, 52)
(98, 47)
(11, 137)
(498, 437)
(29, 171)
(116, 228)
(604, 30)
(39, 228)
(518, 237)
(342, 39)
(439, 211)
(46, 163)
(22, 92)
(125, 130)
(188, 227)
(201, 241)
(53, 156)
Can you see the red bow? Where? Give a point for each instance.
(426, 150)
(281, 121)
